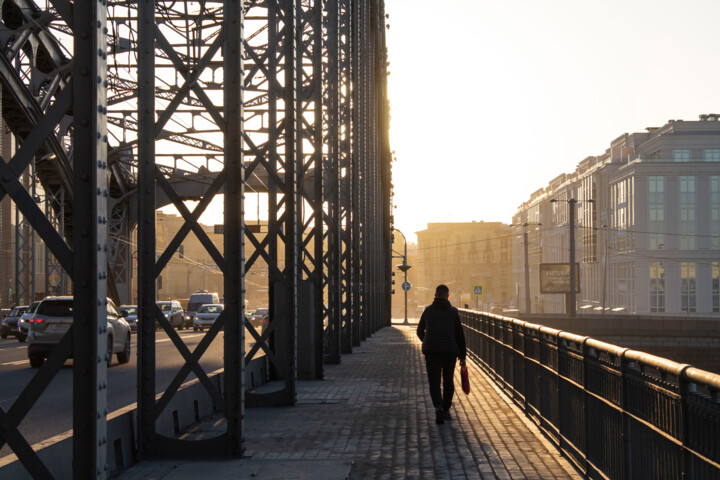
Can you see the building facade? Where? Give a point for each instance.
(462, 256)
(647, 225)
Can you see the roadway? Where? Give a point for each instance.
(52, 413)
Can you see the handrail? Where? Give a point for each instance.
(615, 412)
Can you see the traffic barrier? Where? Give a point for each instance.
(188, 407)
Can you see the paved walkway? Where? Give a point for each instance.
(371, 418)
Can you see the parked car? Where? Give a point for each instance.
(173, 312)
(52, 320)
(10, 323)
(129, 313)
(24, 323)
(200, 297)
(206, 315)
(260, 318)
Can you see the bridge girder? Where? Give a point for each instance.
(287, 97)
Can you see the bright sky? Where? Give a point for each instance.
(492, 99)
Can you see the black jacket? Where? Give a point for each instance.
(440, 329)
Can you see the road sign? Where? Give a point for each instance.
(406, 286)
(478, 290)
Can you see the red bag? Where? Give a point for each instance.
(465, 380)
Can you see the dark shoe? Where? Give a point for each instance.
(439, 416)
(447, 416)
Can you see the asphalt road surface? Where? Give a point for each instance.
(52, 413)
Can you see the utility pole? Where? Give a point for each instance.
(527, 269)
(571, 301)
(605, 259)
(528, 305)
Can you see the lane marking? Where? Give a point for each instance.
(22, 362)
(17, 362)
(183, 337)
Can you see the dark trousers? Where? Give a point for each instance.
(437, 365)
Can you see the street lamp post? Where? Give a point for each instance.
(527, 263)
(573, 305)
(571, 300)
(404, 268)
(605, 262)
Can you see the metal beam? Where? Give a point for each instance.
(90, 170)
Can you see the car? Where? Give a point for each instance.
(173, 312)
(260, 318)
(206, 315)
(9, 323)
(200, 297)
(129, 313)
(24, 323)
(52, 320)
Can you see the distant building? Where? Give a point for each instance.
(192, 268)
(649, 241)
(463, 255)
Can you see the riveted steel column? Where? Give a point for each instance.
(90, 240)
(332, 188)
(345, 118)
(234, 339)
(386, 165)
(284, 208)
(357, 156)
(293, 202)
(318, 200)
(146, 230)
(25, 247)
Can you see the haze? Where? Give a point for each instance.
(491, 100)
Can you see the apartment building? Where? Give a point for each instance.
(464, 255)
(647, 225)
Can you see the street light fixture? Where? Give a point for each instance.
(404, 268)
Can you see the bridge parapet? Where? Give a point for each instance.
(615, 412)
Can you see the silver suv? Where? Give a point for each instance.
(53, 318)
(24, 323)
(173, 312)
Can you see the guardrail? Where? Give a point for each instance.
(188, 407)
(614, 412)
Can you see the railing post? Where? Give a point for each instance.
(626, 432)
(561, 348)
(686, 388)
(525, 369)
(587, 352)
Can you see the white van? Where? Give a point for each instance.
(201, 297)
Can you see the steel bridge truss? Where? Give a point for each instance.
(105, 99)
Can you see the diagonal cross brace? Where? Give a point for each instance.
(191, 363)
(190, 221)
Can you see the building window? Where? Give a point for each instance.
(712, 155)
(716, 287)
(688, 287)
(681, 155)
(714, 212)
(624, 286)
(688, 202)
(656, 212)
(657, 287)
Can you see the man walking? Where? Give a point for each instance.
(443, 341)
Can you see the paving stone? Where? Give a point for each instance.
(373, 414)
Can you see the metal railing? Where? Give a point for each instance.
(614, 412)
